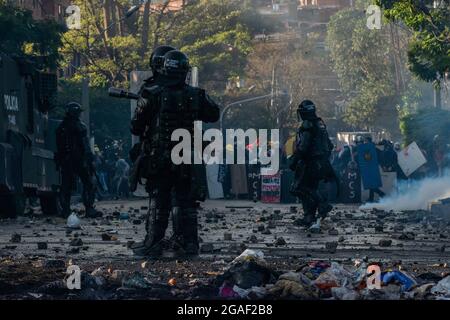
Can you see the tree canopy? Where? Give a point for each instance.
(215, 34)
(21, 35)
(370, 65)
(428, 20)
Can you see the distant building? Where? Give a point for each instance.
(168, 6)
(326, 3)
(44, 9)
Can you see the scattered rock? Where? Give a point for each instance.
(77, 242)
(331, 246)
(42, 245)
(385, 243)
(74, 250)
(227, 236)
(280, 242)
(55, 264)
(207, 248)
(379, 228)
(108, 237)
(333, 232)
(16, 238)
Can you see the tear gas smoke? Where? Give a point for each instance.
(415, 195)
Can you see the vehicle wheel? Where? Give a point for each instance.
(12, 205)
(50, 204)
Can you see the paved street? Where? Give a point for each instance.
(416, 240)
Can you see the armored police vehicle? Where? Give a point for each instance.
(27, 136)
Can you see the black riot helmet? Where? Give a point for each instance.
(73, 110)
(306, 110)
(176, 65)
(157, 57)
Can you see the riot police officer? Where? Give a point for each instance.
(165, 106)
(311, 163)
(75, 159)
(137, 153)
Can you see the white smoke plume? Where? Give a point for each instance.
(415, 195)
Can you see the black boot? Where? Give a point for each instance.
(156, 226)
(324, 209)
(307, 221)
(309, 212)
(177, 239)
(190, 232)
(92, 213)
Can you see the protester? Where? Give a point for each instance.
(121, 178)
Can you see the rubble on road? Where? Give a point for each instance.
(253, 253)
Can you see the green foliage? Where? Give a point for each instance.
(429, 51)
(20, 34)
(423, 125)
(365, 63)
(215, 34)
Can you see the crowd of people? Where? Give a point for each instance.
(112, 171)
(346, 157)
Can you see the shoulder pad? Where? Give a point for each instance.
(306, 125)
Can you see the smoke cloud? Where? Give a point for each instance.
(415, 195)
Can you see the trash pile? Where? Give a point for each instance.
(248, 277)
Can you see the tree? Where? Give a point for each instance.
(107, 46)
(215, 34)
(21, 35)
(290, 68)
(370, 65)
(423, 125)
(429, 51)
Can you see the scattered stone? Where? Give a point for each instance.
(207, 248)
(137, 221)
(280, 242)
(379, 228)
(331, 246)
(42, 245)
(16, 238)
(407, 236)
(341, 239)
(107, 237)
(74, 250)
(227, 236)
(55, 264)
(333, 232)
(360, 229)
(77, 242)
(261, 228)
(266, 231)
(253, 239)
(385, 243)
